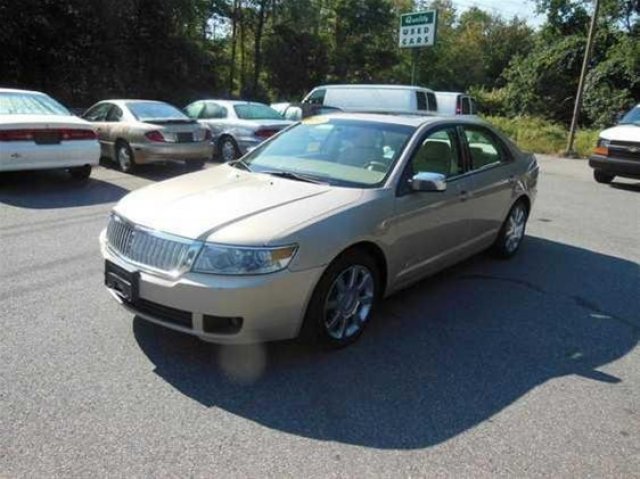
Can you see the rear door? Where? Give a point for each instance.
(432, 226)
(493, 175)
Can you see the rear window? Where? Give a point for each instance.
(30, 104)
(145, 111)
(373, 98)
(255, 111)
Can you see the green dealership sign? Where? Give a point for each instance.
(418, 29)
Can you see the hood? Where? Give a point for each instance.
(228, 205)
(622, 133)
(43, 121)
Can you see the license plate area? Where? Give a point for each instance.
(46, 137)
(185, 137)
(124, 283)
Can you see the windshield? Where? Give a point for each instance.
(30, 104)
(338, 151)
(256, 111)
(633, 117)
(145, 111)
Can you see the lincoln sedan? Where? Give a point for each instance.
(306, 234)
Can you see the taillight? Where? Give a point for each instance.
(77, 135)
(154, 136)
(65, 134)
(265, 133)
(16, 135)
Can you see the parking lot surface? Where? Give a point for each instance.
(520, 368)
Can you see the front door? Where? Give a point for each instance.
(431, 226)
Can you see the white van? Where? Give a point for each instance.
(455, 103)
(371, 98)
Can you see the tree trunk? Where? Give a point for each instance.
(257, 52)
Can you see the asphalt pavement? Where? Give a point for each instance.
(520, 368)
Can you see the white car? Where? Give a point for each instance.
(455, 103)
(618, 150)
(37, 132)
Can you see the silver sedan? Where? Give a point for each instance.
(236, 126)
(306, 233)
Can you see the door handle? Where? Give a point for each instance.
(512, 179)
(464, 195)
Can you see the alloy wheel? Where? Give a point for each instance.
(124, 158)
(515, 228)
(349, 302)
(228, 150)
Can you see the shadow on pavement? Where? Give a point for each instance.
(440, 358)
(155, 171)
(54, 189)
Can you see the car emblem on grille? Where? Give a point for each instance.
(633, 149)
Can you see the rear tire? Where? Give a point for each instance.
(124, 157)
(602, 177)
(343, 301)
(80, 173)
(512, 232)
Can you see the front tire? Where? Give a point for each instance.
(512, 231)
(602, 177)
(228, 150)
(80, 173)
(343, 301)
(124, 157)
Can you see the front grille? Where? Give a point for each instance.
(625, 149)
(164, 313)
(145, 247)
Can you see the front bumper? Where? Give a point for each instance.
(271, 306)
(149, 152)
(616, 166)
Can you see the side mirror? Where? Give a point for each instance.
(427, 181)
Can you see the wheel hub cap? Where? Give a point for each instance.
(349, 302)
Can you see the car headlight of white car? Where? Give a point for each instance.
(240, 260)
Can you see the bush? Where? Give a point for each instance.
(542, 136)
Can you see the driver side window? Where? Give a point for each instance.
(438, 153)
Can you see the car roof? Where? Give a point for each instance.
(234, 102)
(377, 86)
(403, 119)
(451, 93)
(15, 90)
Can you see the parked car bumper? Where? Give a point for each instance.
(17, 156)
(270, 307)
(149, 153)
(629, 168)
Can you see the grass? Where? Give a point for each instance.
(542, 136)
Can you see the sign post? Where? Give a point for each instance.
(417, 30)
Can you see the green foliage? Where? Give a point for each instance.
(81, 51)
(542, 136)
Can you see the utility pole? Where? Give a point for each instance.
(585, 64)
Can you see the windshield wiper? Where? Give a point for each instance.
(242, 163)
(293, 176)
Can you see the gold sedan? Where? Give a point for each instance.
(133, 132)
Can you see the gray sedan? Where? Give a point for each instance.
(236, 126)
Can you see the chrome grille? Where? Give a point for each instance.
(145, 247)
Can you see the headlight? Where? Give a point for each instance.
(603, 147)
(237, 260)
